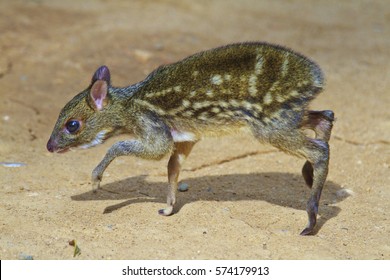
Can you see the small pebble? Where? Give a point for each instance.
(183, 187)
(23, 256)
(110, 227)
(12, 164)
(33, 194)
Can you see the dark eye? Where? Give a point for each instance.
(72, 126)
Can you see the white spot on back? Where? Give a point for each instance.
(186, 103)
(227, 77)
(259, 64)
(252, 85)
(216, 80)
(154, 94)
(209, 93)
(267, 98)
(285, 65)
(150, 106)
(215, 110)
(280, 98)
(204, 116)
(257, 107)
(247, 105)
(188, 113)
(199, 105)
(275, 86)
(267, 120)
(234, 103)
(223, 104)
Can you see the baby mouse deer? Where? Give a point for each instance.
(256, 87)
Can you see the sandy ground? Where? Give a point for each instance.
(246, 200)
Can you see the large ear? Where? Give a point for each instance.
(99, 89)
(102, 73)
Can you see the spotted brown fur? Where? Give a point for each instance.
(255, 87)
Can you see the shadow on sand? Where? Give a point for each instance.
(283, 189)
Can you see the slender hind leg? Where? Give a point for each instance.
(316, 152)
(180, 153)
(321, 122)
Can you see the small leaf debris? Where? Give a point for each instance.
(77, 250)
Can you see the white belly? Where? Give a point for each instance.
(183, 136)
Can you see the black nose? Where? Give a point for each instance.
(50, 146)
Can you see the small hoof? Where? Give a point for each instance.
(95, 187)
(307, 231)
(95, 184)
(166, 211)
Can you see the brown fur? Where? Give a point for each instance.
(261, 88)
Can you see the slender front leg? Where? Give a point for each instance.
(155, 141)
(148, 150)
(121, 148)
(180, 153)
